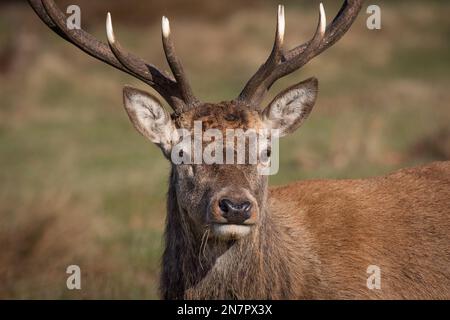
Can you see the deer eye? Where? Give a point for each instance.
(231, 117)
(264, 157)
(181, 153)
(266, 153)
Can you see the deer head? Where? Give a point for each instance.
(227, 198)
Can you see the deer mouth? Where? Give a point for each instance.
(229, 231)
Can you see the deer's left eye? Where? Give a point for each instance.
(264, 156)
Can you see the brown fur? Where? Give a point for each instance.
(223, 115)
(314, 239)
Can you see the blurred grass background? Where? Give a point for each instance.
(79, 186)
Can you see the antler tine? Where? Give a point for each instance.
(51, 16)
(277, 50)
(323, 38)
(42, 14)
(175, 64)
(169, 89)
(308, 53)
(337, 28)
(275, 57)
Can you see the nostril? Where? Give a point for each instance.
(246, 206)
(224, 205)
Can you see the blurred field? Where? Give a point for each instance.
(79, 186)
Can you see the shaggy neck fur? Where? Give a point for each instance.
(259, 266)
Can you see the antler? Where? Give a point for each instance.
(177, 92)
(281, 63)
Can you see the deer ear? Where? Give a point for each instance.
(149, 117)
(290, 108)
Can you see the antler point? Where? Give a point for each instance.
(165, 26)
(323, 19)
(281, 23)
(109, 29)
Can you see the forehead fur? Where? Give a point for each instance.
(223, 115)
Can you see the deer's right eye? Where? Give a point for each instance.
(181, 153)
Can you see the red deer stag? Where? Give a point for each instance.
(230, 236)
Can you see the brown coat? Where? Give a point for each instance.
(318, 239)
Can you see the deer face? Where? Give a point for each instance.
(227, 197)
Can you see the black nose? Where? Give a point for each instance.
(235, 213)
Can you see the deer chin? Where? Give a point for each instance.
(230, 231)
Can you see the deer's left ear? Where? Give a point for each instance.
(290, 108)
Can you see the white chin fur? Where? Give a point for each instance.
(230, 231)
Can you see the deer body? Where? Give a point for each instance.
(318, 239)
(228, 235)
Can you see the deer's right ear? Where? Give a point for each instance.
(149, 117)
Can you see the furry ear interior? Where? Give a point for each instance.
(291, 107)
(149, 117)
